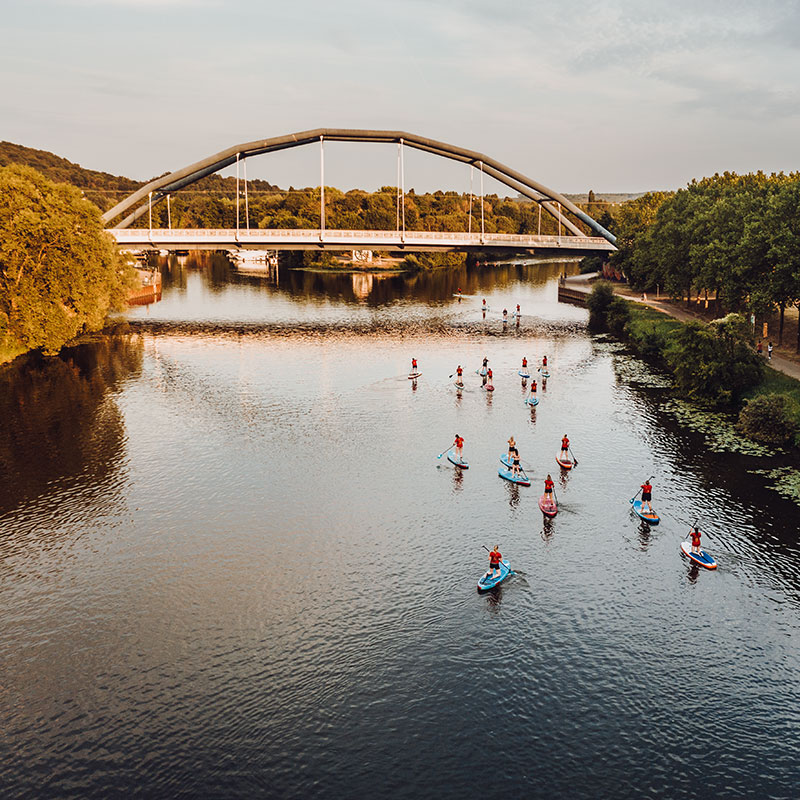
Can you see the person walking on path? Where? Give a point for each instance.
(769, 352)
(760, 348)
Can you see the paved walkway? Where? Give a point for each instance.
(581, 283)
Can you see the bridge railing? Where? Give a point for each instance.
(394, 237)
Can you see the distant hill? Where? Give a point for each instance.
(102, 188)
(608, 197)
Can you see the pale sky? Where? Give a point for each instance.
(622, 95)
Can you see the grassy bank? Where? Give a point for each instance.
(713, 366)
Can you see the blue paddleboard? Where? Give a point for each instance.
(453, 459)
(523, 374)
(458, 385)
(481, 371)
(545, 373)
(702, 558)
(652, 519)
(505, 472)
(486, 582)
(532, 401)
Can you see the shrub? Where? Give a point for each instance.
(598, 303)
(769, 419)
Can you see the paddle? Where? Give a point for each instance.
(444, 451)
(573, 457)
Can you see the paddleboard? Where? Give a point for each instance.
(653, 518)
(702, 558)
(549, 507)
(523, 374)
(412, 376)
(505, 472)
(458, 385)
(532, 401)
(545, 373)
(481, 371)
(568, 464)
(486, 582)
(489, 388)
(453, 459)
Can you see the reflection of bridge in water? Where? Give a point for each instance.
(571, 220)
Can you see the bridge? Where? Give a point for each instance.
(571, 239)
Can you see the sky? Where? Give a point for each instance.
(615, 96)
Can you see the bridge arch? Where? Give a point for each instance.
(553, 202)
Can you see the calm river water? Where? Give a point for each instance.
(233, 565)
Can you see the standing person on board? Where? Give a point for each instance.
(495, 557)
(414, 369)
(564, 456)
(485, 365)
(524, 364)
(518, 312)
(544, 363)
(459, 376)
(695, 534)
(505, 316)
(512, 450)
(489, 384)
(548, 487)
(533, 389)
(647, 495)
(458, 443)
(484, 305)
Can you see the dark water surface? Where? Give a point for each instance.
(233, 566)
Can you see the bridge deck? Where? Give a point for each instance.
(305, 239)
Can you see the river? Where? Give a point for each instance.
(233, 565)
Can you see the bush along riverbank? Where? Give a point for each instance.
(713, 366)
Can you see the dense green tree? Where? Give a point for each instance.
(60, 273)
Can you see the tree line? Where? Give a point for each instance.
(732, 238)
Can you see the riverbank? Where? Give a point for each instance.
(722, 379)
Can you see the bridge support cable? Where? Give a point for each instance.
(471, 173)
(397, 185)
(402, 192)
(321, 188)
(246, 206)
(169, 215)
(150, 212)
(482, 230)
(540, 219)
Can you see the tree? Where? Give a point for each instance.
(60, 272)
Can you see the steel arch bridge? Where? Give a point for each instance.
(559, 207)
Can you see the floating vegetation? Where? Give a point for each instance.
(633, 370)
(721, 435)
(787, 481)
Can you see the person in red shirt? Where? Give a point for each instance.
(489, 379)
(413, 365)
(564, 448)
(495, 557)
(517, 309)
(548, 487)
(695, 534)
(458, 444)
(459, 375)
(524, 363)
(647, 495)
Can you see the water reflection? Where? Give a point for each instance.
(56, 425)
